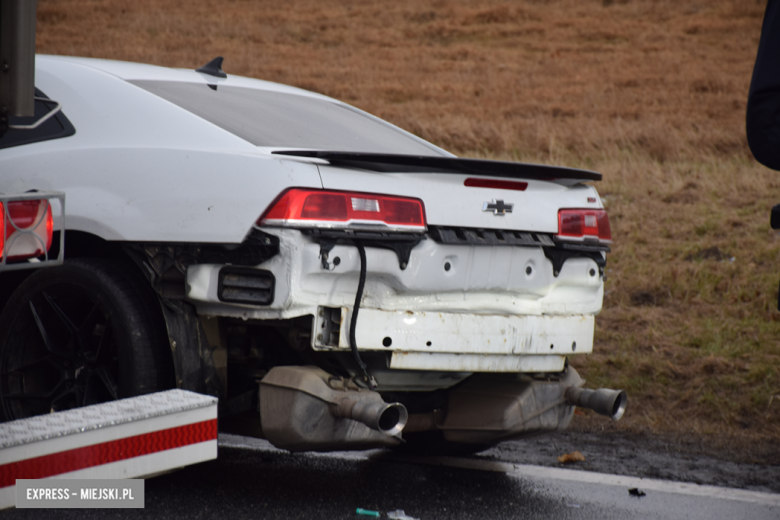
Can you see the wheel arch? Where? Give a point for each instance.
(190, 353)
(87, 320)
(78, 244)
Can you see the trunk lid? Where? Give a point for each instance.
(449, 202)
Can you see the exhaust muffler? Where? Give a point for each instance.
(307, 409)
(489, 408)
(604, 401)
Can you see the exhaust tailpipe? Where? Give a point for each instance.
(389, 419)
(604, 401)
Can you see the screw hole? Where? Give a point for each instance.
(336, 261)
(593, 272)
(573, 346)
(529, 270)
(551, 346)
(428, 343)
(447, 266)
(387, 341)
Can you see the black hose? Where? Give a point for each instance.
(355, 309)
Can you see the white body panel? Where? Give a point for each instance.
(439, 332)
(142, 169)
(485, 314)
(495, 363)
(466, 342)
(481, 280)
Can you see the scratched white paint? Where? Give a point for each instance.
(303, 284)
(439, 332)
(475, 362)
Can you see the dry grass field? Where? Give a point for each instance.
(650, 92)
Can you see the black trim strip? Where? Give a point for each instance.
(488, 237)
(555, 250)
(583, 246)
(401, 243)
(396, 163)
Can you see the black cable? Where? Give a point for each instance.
(355, 309)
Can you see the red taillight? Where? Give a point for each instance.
(27, 229)
(492, 183)
(581, 224)
(324, 206)
(340, 209)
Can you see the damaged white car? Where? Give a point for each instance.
(338, 282)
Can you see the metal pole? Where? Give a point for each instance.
(17, 58)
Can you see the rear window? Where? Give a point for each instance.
(267, 118)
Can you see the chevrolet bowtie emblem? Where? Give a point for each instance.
(498, 207)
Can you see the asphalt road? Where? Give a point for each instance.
(252, 480)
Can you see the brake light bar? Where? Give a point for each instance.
(27, 227)
(345, 210)
(584, 225)
(493, 183)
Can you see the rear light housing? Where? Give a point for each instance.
(584, 225)
(28, 228)
(304, 208)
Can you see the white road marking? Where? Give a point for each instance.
(644, 484)
(528, 471)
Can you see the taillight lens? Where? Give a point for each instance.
(28, 227)
(584, 224)
(341, 209)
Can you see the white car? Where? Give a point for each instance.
(338, 282)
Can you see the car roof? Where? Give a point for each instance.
(130, 71)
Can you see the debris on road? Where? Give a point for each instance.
(368, 512)
(399, 514)
(574, 456)
(636, 492)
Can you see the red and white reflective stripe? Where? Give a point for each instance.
(107, 452)
(28, 228)
(135, 437)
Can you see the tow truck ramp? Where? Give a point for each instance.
(130, 438)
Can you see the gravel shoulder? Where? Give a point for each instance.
(734, 462)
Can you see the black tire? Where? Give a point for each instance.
(434, 443)
(83, 333)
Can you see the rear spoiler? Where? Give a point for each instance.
(395, 163)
